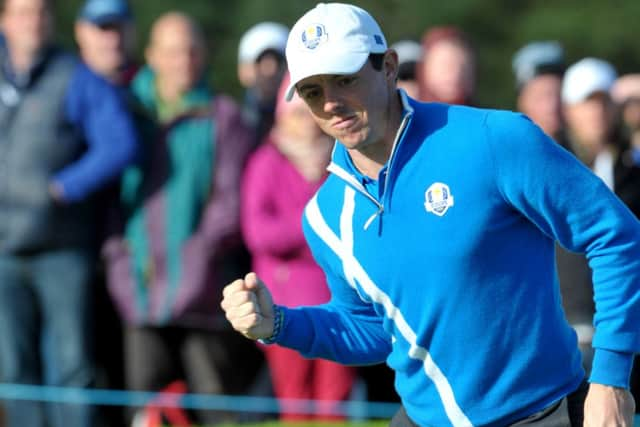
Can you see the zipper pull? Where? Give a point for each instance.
(372, 217)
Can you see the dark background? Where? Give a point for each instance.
(605, 29)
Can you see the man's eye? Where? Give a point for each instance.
(346, 81)
(310, 94)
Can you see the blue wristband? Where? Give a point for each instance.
(278, 321)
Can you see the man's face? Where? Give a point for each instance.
(448, 71)
(104, 47)
(540, 100)
(268, 72)
(590, 120)
(631, 113)
(177, 56)
(351, 108)
(26, 24)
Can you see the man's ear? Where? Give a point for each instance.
(390, 65)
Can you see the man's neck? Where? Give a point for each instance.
(371, 159)
(22, 61)
(169, 94)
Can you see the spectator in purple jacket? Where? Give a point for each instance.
(294, 156)
(175, 248)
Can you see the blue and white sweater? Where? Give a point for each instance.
(444, 268)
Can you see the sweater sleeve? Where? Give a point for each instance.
(346, 329)
(570, 204)
(221, 219)
(267, 226)
(100, 112)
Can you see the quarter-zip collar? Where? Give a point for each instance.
(342, 166)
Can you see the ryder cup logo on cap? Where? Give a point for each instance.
(314, 35)
(332, 38)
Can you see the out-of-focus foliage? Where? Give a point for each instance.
(498, 27)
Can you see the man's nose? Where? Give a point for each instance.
(332, 100)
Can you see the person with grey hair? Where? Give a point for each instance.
(176, 242)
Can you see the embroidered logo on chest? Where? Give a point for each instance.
(438, 198)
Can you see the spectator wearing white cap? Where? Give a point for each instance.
(590, 115)
(261, 65)
(538, 68)
(409, 54)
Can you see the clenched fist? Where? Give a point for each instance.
(249, 308)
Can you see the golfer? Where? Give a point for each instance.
(436, 232)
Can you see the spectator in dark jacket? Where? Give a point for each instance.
(64, 133)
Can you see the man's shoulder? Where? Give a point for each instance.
(58, 61)
(452, 114)
(468, 123)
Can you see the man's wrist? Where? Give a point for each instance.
(611, 368)
(278, 323)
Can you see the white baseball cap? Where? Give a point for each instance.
(586, 77)
(261, 37)
(332, 38)
(408, 51)
(536, 58)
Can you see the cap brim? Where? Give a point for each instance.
(316, 63)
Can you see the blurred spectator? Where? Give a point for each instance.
(590, 118)
(409, 54)
(105, 34)
(64, 134)
(626, 94)
(261, 65)
(294, 157)
(175, 249)
(538, 68)
(447, 72)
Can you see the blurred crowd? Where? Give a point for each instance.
(131, 192)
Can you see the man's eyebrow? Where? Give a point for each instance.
(307, 86)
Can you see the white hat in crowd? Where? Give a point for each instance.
(260, 38)
(586, 77)
(537, 58)
(408, 51)
(332, 38)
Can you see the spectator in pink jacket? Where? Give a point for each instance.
(281, 176)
